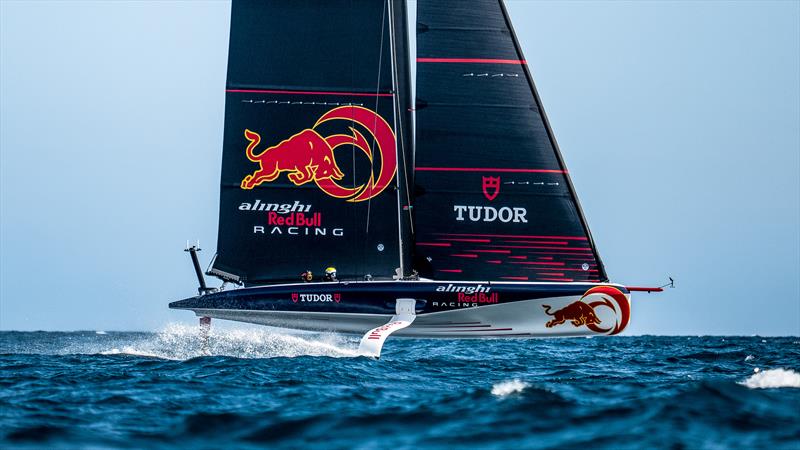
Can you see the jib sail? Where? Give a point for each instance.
(311, 148)
(493, 197)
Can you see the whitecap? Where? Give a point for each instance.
(749, 358)
(772, 378)
(508, 387)
(100, 332)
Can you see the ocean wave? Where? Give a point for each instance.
(509, 387)
(773, 378)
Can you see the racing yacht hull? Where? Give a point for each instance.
(442, 309)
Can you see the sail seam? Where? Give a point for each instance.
(486, 169)
(280, 91)
(472, 60)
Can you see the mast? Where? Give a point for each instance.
(401, 77)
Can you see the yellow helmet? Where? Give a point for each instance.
(330, 271)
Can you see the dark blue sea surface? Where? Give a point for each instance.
(261, 388)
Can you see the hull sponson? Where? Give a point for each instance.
(444, 309)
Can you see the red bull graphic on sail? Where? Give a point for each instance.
(308, 156)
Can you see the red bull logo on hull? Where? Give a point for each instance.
(308, 156)
(582, 312)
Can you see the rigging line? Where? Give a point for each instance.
(375, 124)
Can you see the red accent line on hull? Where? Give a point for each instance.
(434, 244)
(466, 331)
(464, 255)
(444, 323)
(485, 169)
(272, 91)
(472, 60)
(515, 278)
(450, 270)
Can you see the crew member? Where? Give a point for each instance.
(330, 274)
(307, 276)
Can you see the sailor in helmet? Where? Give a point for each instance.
(330, 274)
(307, 276)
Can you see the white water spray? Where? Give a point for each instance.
(772, 378)
(179, 342)
(505, 388)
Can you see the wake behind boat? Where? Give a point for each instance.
(451, 215)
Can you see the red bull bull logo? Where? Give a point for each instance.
(582, 312)
(308, 156)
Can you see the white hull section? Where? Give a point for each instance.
(519, 319)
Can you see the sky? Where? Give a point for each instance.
(679, 123)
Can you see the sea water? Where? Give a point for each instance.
(256, 388)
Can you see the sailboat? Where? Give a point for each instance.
(450, 214)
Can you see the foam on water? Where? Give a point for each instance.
(773, 378)
(180, 342)
(505, 388)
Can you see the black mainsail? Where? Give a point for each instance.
(493, 197)
(316, 143)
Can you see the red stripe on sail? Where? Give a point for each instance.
(542, 247)
(538, 242)
(472, 60)
(485, 169)
(536, 263)
(519, 236)
(464, 255)
(466, 240)
(561, 269)
(434, 244)
(272, 91)
(450, 270)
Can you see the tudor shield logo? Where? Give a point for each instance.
(491, 187)
(308, 156)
